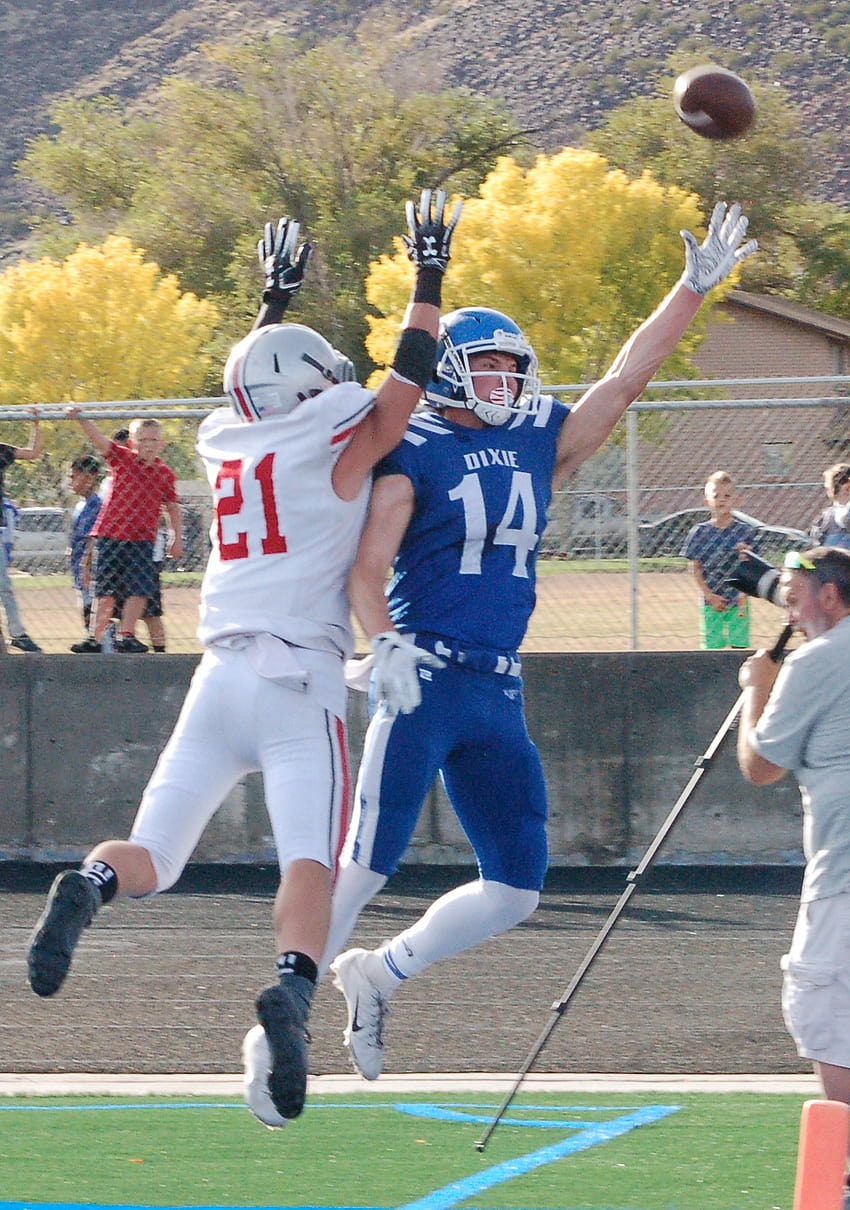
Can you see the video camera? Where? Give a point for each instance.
(757, 578)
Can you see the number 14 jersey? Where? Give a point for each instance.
(466, 567)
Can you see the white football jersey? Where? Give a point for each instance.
(282, 540)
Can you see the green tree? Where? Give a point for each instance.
(335, 135)
(576, 252)
(103, 324)
(804, 245)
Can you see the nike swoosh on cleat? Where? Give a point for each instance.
(355, 1024)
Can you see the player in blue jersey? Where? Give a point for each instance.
(457, 511)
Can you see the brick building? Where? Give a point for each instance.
(777, 455)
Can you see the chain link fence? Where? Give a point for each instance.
(611, 576)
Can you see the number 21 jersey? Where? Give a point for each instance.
(282, 540)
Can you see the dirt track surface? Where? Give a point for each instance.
(687, 983)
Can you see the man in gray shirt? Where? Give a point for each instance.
(797, 717)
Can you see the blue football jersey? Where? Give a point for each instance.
(466, 568)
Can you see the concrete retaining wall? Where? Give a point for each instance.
(619, 735)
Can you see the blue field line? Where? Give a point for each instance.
(448, 1110)
(589, 1136)
(131, 1206)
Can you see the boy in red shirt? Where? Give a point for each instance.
(125, 530)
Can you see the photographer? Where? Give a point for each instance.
(797, 717)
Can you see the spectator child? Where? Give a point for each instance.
(85, 470)
(832, 528)
(9, 454)
(152, 616)
(141, 485)
(713, 547)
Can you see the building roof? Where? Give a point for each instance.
(793, 312)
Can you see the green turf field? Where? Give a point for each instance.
(551, 1152)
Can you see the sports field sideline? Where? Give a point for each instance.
(606, 1142)
(675, 1039)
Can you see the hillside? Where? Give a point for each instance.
(558, 71)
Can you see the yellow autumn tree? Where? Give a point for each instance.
(102, 324)
(573, 250)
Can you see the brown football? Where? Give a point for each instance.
(714, 102)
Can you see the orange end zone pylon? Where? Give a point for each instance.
(822, 1156)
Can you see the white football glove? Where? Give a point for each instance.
(707, 264)
(394, 674)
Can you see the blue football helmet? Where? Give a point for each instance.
(472, 330)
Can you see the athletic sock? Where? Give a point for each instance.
(393, 954)
(355, 885)
(104, 878)
(295, 963)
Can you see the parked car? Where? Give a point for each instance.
(665, 536)
(41, 540)
(598, 526)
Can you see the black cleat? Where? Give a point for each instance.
(283, 1012)
(70, 907)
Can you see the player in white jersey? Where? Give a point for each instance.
(289, 464)
(458, 510)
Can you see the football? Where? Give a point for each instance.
(714, 102)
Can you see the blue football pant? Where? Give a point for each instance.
(470, 728)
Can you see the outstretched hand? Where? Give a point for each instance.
(429, 242)
(707, 264)
(283, 263)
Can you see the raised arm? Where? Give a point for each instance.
(284, 265)
(29, 453)
(99, 440)
(706, 265)
(428, 245)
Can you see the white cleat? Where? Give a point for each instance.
(257, 1057)
(367, 1009)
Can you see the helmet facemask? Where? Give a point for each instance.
(455, 381)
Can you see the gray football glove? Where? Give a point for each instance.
(395, 674)
(282, 262)
(428, 244)
(707, 264)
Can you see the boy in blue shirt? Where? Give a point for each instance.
(85, 471)
(714, 547)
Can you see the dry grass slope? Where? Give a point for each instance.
(558, 67)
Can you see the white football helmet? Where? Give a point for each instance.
(276, 367)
